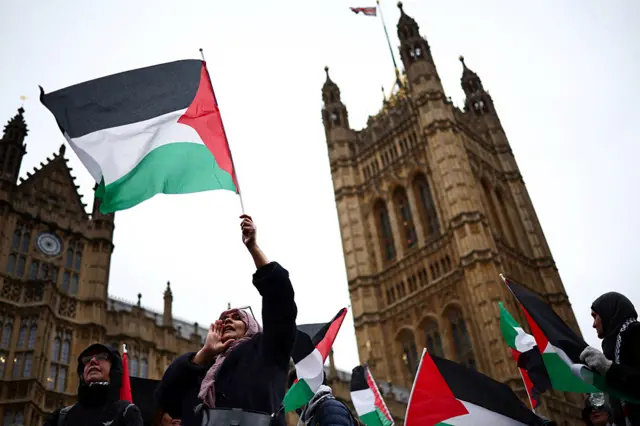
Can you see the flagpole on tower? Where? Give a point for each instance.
(235, 172)
(393, 57)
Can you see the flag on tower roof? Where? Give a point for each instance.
(446, 393)
(310, 351)
(367, 11)
(367, 399)
(527, 356)
(147, 131)
(560, 347)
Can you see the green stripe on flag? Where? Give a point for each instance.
(298, 396)
(562, 378)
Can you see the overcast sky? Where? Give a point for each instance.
(563, 75)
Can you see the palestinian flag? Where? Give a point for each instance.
(125, 387)
(368, 11)
(561, 347)
(148, 131)
(559, 344)
(527, 356)
(367, 399)
(310, 350)
(445, 393)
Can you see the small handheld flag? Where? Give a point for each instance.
(125, 388)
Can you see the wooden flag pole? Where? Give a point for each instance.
(235, 172)
(393, 56)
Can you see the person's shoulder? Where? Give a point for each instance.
(333, 411)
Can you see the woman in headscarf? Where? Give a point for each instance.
(616, 322)
(240, 366)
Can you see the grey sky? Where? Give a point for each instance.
(563, 75)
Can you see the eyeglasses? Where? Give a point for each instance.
(245, 308)
(102, 356)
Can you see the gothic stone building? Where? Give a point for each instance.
(432, 208)
(54, 302)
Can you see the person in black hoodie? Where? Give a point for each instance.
(616, 322)
(239, 367)
(99, 404)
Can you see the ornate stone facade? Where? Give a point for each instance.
(54, 302)
(432, 208)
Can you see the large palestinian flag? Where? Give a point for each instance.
(527, 355)
(559, 344)
(561, 347)
(367, 399)
(310, 350)
(445, 393)
(147, 131)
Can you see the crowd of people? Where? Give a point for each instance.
(240, 374)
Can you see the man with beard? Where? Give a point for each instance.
(99, 404)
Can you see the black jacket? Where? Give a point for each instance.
(626, 375)
(254, 375)
(99, 404)
(332, 412)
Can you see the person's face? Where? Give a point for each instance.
(234, 328)
(597, 324)
(599, 418)
(96, 367)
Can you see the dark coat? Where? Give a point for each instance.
(100, 403)
(626, 375)
(254, 375)
(332, 412)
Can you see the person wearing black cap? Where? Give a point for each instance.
(596, 411)
(99, 404)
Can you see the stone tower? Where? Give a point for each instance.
(432, 207)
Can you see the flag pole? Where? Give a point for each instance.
(393, 57)
(235, 172)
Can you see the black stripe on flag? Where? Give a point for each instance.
(552, 326)
(358, 379)
(322, 332)
(302, 346)
(476, 388)
(124, 98)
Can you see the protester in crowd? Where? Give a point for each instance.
(615, 320)
(240, 366)
(596, 411)
(323, 409)
(99, 404)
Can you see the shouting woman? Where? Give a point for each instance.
(239, 376)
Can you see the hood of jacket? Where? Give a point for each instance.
(614, 310)
(323, 392)
(99, 393)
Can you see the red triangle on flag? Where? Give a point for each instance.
(431, 400)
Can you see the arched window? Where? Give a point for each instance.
(32, 337)
(386, 234)
(409, 352)
(22, 336)
(405, 220)
(493, 213)
(66, 351)
(432, 338)
(461, 341)
(134, 367)
(507, 219)
(428, 213)
(55, 350)
(11, 263)
(73, 289)
(144, 366)
(6, 335)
